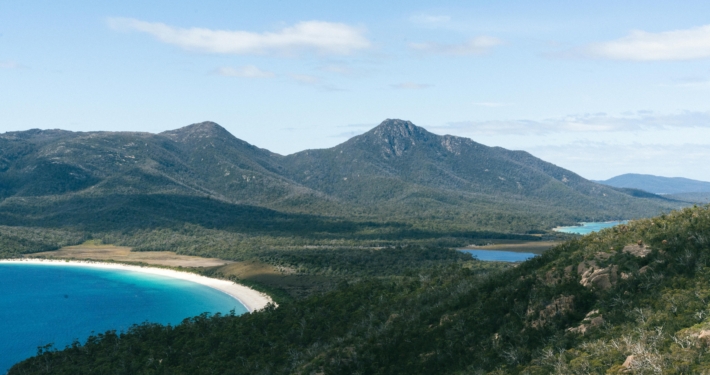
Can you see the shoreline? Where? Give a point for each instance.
(583, 223)
(251, 299)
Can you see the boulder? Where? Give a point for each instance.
(637, 250)
(600, 278)
(629, 363)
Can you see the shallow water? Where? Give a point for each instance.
(43, 304)
(590, 227)
(499, 256)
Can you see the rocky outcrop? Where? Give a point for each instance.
(561, 305)
(629, 363)
(592, 319)
(638, 249)
(597, 277)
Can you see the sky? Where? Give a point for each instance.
(601, 88)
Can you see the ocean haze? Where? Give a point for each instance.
(658, 184)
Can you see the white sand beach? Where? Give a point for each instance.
(250, 298)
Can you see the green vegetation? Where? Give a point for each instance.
(700, 198)
(355, 243)
(15, 241)
(637, 293)
(396, 182)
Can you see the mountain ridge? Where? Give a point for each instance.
(658, 184)
(395, 170)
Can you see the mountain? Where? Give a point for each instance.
(701, 198)
(397, 180)
(627, 300)
(400, 164)
(658, 184)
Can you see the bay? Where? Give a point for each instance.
(589, 227)
(42, 304)
(499, 256)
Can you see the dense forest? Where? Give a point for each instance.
(633, 298)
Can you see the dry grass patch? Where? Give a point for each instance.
(101, 252)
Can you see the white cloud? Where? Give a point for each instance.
(248, 71)
(411, 86)
(337, 68)
(430, 20)
(600, 161)
(352, 130)
(307, 79)
(316, 36)
(316, 82)
(599, 122)
(490, 104)
(688, 44)
(10, 65)
(692, 83)
(475, 46)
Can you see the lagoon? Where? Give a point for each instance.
(589, 227)
(498, 256)
(41, 304)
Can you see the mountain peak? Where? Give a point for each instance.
(395, 137)
(206, 129)
(399, 129)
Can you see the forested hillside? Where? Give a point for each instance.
(629, 299)
(397, 182)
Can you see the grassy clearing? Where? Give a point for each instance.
(94, 250)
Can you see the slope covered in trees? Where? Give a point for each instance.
(633, 298)
(395, 182)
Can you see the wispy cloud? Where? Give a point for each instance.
(491, 104)
(321, 37)
(429, 19)
(687, 44)
(9, 64)
(691, 82)
(599, 160)
(248, 71)
(305, 78)
(337, 68)
(316, 82)
(411, 86)
(600, 122)
(351, 130)
(475, 46)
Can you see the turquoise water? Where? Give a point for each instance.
(42, 304)
(499, 256)
(586, 228)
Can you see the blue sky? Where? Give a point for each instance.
(600, 88)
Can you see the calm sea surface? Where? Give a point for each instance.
(586, 228)
(511, 256)
(42, 304)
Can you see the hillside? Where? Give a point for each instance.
(199, 190)
(698, 198)
(658, 184)
(629, 299)
(398, 165)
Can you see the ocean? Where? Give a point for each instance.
(590, 227)
(45, 304)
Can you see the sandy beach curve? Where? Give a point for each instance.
(251, 299)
